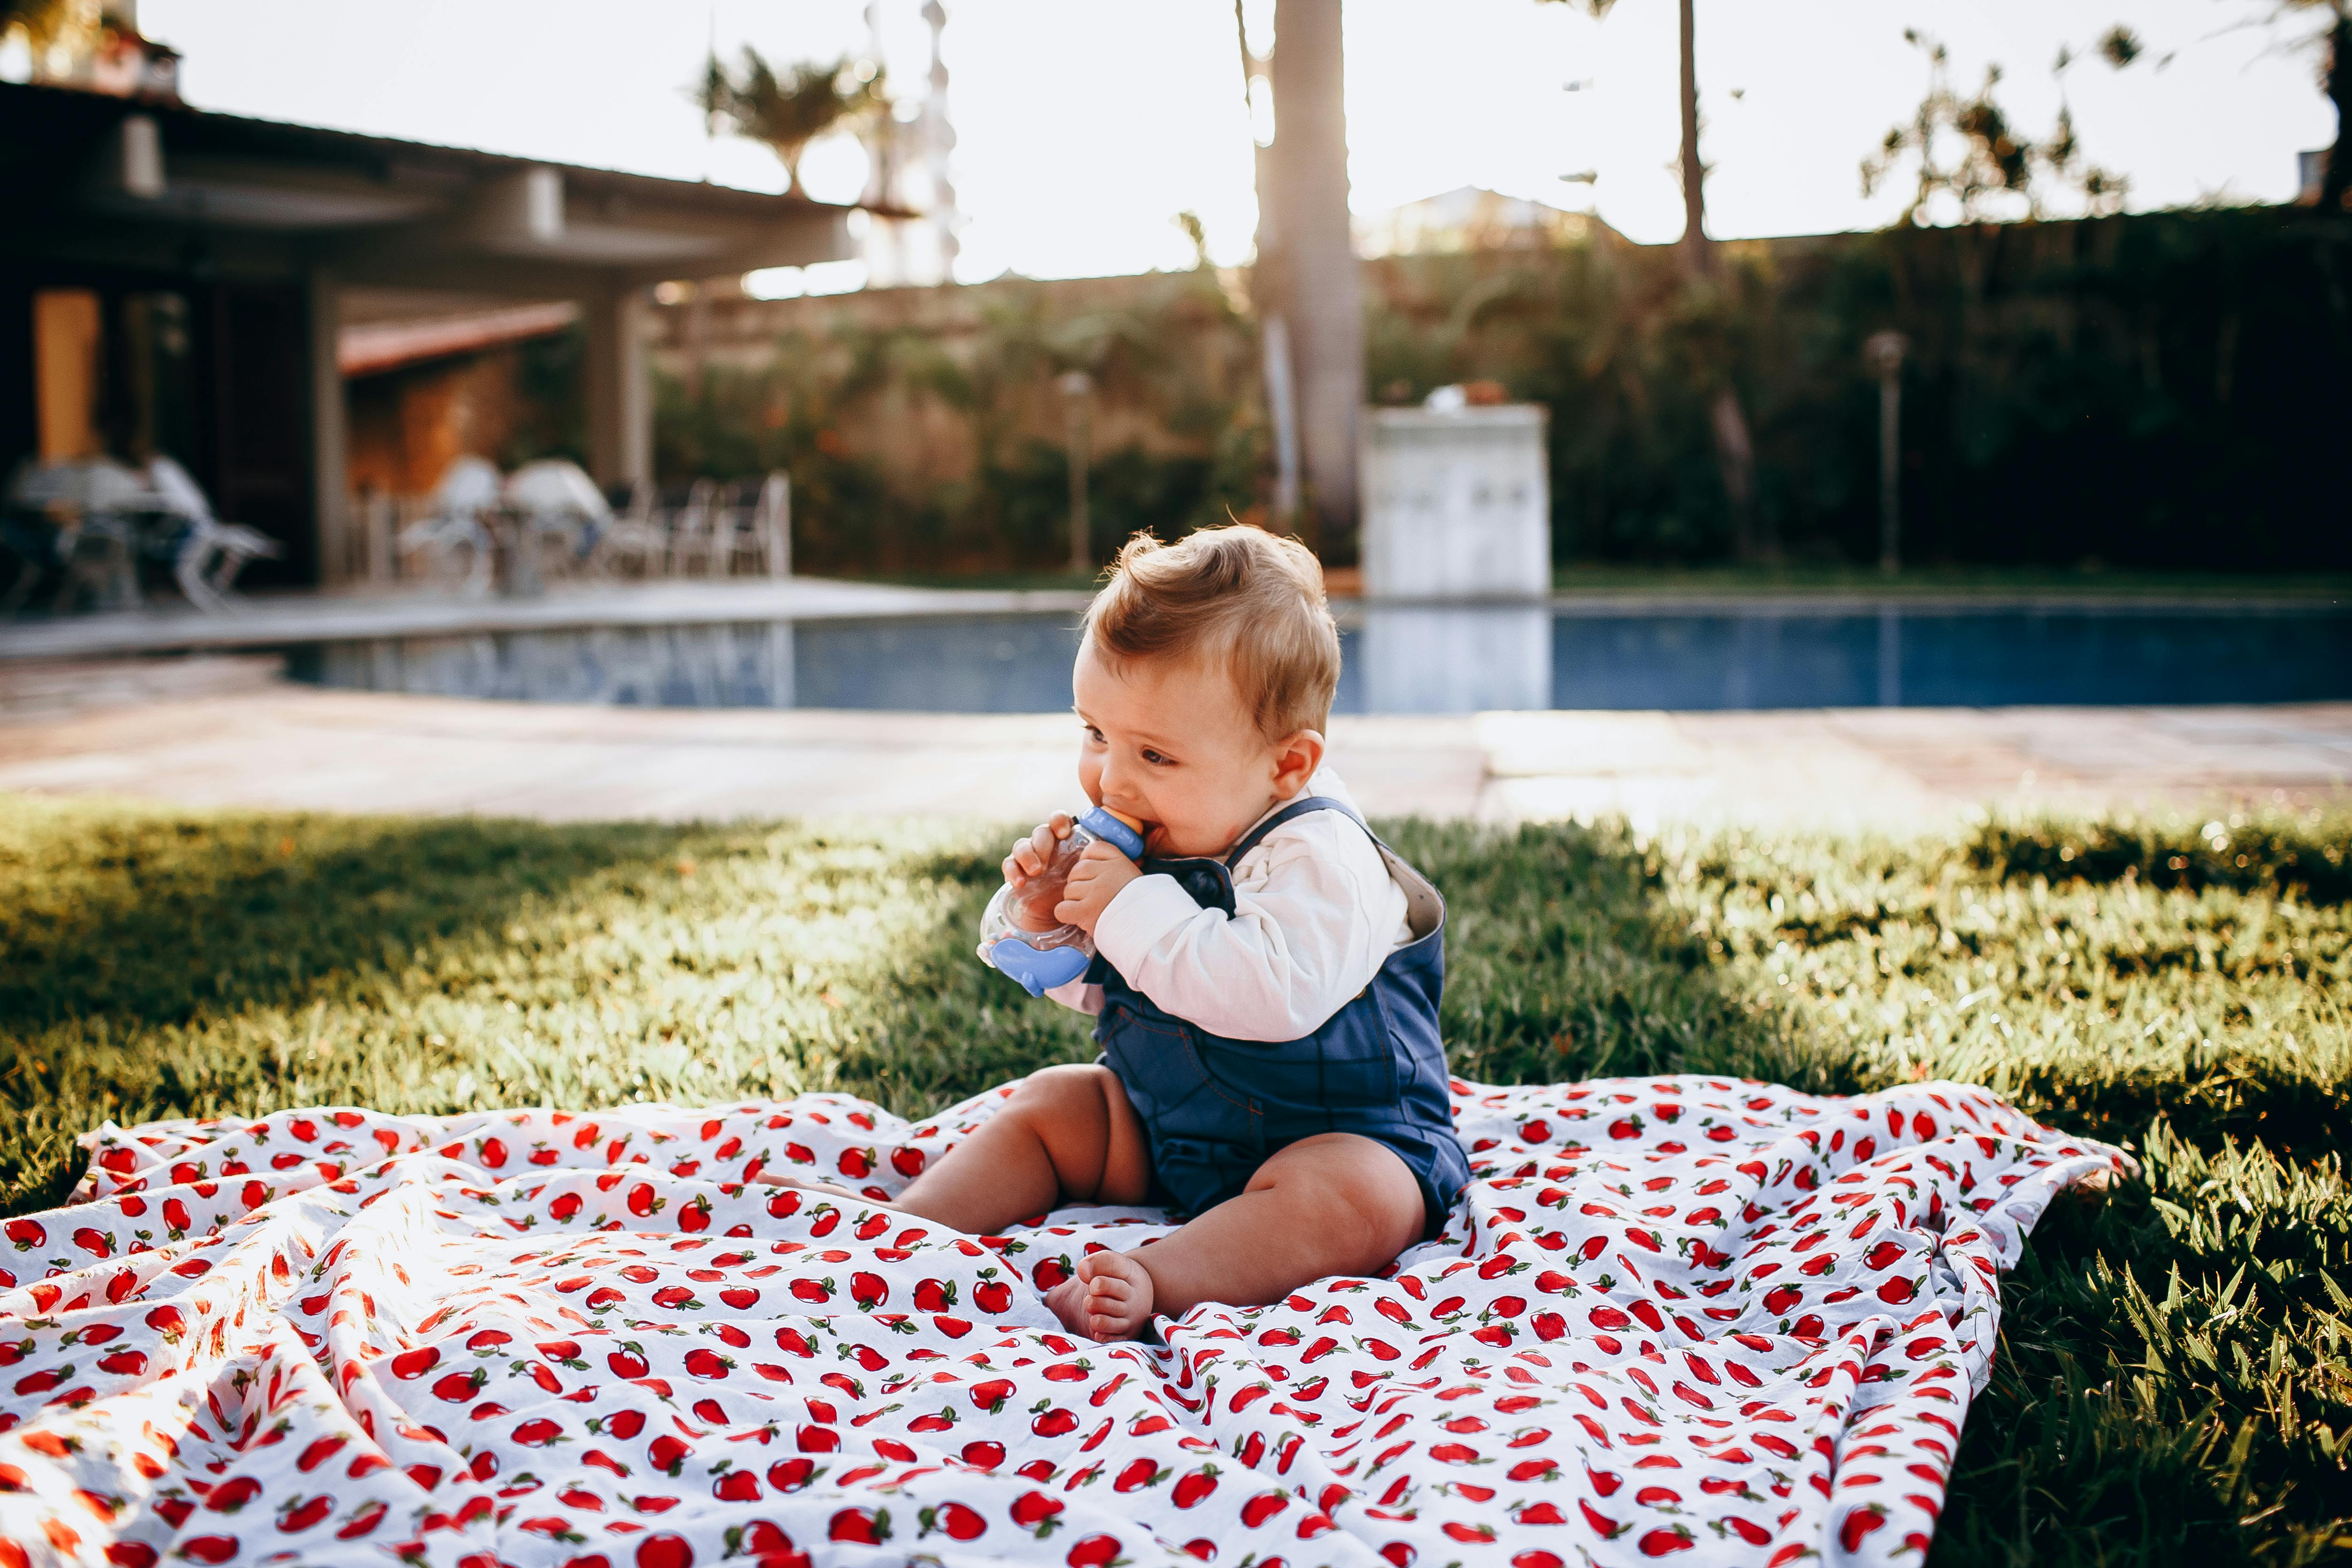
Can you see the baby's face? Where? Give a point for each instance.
(1169, 742)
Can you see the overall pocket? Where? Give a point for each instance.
(1161, 1061)
(1348, 1064)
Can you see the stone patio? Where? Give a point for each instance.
(224, 730)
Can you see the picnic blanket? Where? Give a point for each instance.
(1675, 1316)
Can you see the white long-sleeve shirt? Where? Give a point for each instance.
(1316, 913)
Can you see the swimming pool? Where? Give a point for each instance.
(1422, 659)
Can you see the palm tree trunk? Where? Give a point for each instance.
(1267, 298)
(1734, 453)
(1698, 252)
(1310, 277)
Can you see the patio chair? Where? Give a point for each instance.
(764, 536)
(633, 544)
(560, 514)
(731, 525)
(208, 553)
(28, 537)
(692, 528)
(468, 489)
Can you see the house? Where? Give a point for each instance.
(1470, 219)
(179, 281)
(419, 391)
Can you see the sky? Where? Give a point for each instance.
(1085, 126)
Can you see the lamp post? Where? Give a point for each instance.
(1883, 353)
(1076, 387)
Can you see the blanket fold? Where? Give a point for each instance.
(1678, 1316)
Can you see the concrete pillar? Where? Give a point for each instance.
(620, 390)
(330, 446)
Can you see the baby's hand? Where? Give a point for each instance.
(1094, 882)
(1030, 855)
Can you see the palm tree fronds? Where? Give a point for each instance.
(790, 110)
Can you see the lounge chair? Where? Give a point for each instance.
(208, 554)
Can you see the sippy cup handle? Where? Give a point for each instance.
(1034, 971)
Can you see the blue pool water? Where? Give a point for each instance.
(1414, 659)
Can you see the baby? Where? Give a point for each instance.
(1266, 982)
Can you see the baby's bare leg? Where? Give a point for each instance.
(1332, 1204)
(1067, 1134)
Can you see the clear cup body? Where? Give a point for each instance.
(1019, 935)
(1027, 912)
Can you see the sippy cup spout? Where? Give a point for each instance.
(1117, 828)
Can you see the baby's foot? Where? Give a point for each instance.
(1110, 1298)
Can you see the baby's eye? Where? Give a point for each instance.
(1094, 735)
(1157, 761)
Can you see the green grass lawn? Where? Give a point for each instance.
(2176, 1380)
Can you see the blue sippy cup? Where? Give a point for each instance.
(1042, 959)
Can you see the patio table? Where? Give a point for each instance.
(58, 505)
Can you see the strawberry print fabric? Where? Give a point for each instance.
(1676, 1317)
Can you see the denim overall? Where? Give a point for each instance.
(1216, 1108)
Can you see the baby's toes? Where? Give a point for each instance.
(1118, 1295)
(1072, 1303)
(1104, 1327)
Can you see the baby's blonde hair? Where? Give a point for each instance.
(1235, 596)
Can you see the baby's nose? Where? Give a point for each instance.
(1117, 794)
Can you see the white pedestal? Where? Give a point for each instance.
(1458, 503)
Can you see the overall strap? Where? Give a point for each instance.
(1298, 808)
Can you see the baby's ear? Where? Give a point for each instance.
(1295, 758)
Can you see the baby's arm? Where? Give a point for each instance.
(1308, 935)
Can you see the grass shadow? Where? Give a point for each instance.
(1565, 961)
(158, 918)
(158, 963)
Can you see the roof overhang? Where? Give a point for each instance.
(377, 210)
(369, 348)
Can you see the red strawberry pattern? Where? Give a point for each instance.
(1676, 1317)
